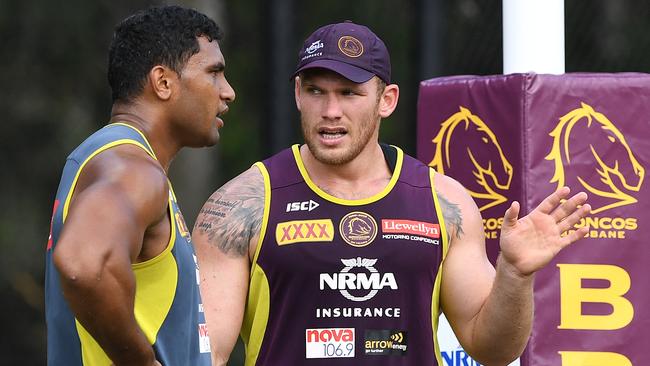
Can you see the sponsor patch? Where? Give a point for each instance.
(182, 227)
(357, 312)
(49, 238)
(329, 342)
(304, 231)
(358, 229)
(359, 280)
(385, 342)
(196, 269)
(204, 340)
(302, 206)
(315, 46)
(395, 226)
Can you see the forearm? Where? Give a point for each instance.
(223, 344)
(502, 326)
(103, 304)
(220, 359)
(224, 287)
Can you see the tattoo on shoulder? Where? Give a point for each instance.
(232, 216)
(452, 215)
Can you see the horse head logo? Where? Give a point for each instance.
(357, 226)
(590, 139)
(474, 147)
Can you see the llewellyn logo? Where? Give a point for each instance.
(590, 139)
(463, 141)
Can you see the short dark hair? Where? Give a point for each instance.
(162, 35)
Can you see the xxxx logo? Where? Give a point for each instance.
(604, 162)
(465, 143)
(304, 231)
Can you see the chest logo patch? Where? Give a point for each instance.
(304, 231)
(421, 228)
(359, 280)
(358, 229)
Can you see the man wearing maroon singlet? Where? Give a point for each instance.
(344, 251)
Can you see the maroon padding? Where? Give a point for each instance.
(521, 136)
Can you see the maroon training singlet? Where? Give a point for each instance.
(345, 282)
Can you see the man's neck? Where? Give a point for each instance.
(152, 127)
(365, 176)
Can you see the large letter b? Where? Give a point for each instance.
(572, 295)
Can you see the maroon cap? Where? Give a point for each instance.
(349, 49)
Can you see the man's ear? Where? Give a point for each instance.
(388, 100)
(296, 91)
(162, 79)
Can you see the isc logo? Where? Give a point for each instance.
(301, 206)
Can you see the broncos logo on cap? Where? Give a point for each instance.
(350, 46)
(604, 162)
(464, 141)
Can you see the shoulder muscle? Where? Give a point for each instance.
(458, 208)
(119, 195)
(231, 218)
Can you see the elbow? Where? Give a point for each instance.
(75, 272)
(219, 360)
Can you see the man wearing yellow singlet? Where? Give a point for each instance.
(121, 276)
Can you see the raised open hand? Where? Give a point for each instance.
(529, 243)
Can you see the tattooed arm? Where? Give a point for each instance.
(225, 237)
(491, 311)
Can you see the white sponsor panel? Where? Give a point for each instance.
(451, 351)
(329, 342)
(196, 265)
(204, 340)
(369, 281)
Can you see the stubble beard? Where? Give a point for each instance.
(348, 154)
